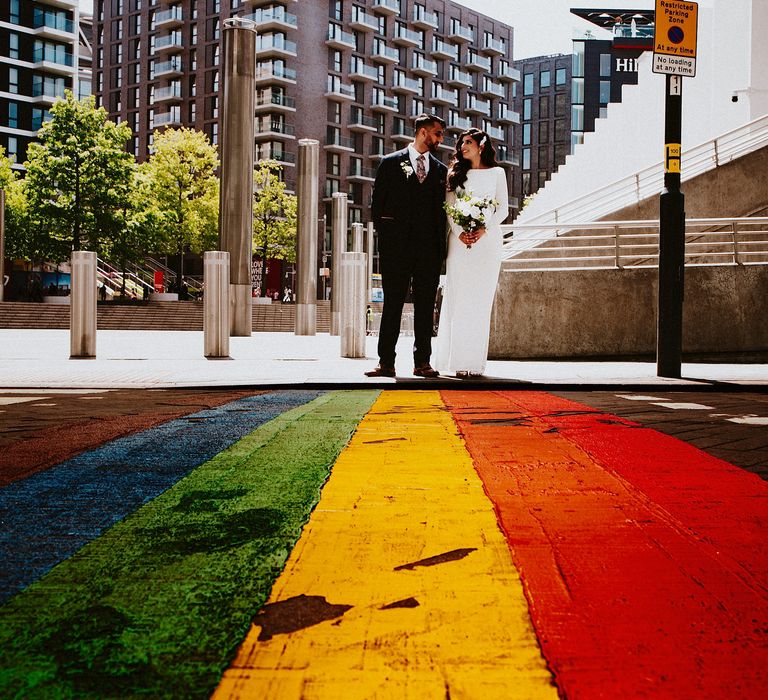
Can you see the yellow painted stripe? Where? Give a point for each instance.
(403, 490)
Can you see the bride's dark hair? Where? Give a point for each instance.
(460, 166)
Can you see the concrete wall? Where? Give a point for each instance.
(612, 313)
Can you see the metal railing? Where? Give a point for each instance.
(649, 182)
(631, 244)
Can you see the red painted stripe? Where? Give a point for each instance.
(628, 599)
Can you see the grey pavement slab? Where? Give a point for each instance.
(39, 358)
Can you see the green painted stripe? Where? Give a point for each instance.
(157, 606)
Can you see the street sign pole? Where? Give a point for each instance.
(669, 336)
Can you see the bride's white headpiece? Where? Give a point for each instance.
(483, 141)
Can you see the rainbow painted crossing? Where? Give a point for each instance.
(403, 544)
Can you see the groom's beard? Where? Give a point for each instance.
(433, 147)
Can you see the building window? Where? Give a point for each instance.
(545, 79)
(526, 134)
(14, 11)
(577, 117)
(578, 59)
(336, 10)
(336, 61)
(577, 91)
(605, 65)
(333, 164)
(526, 159)
(13, 45)
(560, 75)
(605, 92)
(528, 84)
(527, 109)
(13, 80)
(13, 115)
(13, 148)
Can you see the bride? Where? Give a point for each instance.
(474, 259)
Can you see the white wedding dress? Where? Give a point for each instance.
(471, 278)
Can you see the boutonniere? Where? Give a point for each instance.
(407, 168)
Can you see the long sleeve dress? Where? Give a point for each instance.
(471, 279)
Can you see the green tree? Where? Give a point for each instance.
(6, 170)
(79, 177)
(180, 180)
(274, 217)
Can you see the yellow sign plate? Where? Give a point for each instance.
(676, 25)
(672, 155)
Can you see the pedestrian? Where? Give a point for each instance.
(368, 320)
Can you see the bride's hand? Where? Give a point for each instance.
(470, 237)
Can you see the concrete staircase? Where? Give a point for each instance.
(156, 316)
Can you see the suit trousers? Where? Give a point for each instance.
(398, 275)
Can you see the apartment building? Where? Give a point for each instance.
(350, 73)
(39, 58)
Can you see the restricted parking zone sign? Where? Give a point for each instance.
(674, 38)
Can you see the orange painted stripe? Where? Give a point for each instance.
(627, 598)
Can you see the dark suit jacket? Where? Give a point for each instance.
(409, 215)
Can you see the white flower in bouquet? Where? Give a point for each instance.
(468, 212)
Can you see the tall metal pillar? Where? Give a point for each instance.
(369, 250)
(307, 170)
(82, 306)
(339, 241)
(237, 155)
(2, 243)
(352, 288)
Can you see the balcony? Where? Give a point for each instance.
(167, 69)
(386, 7)
(46, 94)
(458, 78)
(168, 19)
(423, 19)
(359, 71)
(445, 51)
(338, 143)
(363, 22)
(495, 132)
(477, 62)
(56, 28)
(385, 54)
(269, 101)
(265, 151)
(461, 34)
(406, 85)
(277, 46)
(339, 39)
(169, 93)
(275, 18)
(171, 43)
(169, 118)
(423, 66)
(508, 74)
(272, 74)
(64, 4)
(507, 115)
(448, 144)
(340, 92)
(357, 173)
(54, 60)
(403, 133)
(406, 37)
(274, 129)
(380, 150)
(359, 122)
(477, 106)
(491, 89)
(444, 96)
(504, 155)
(493, 47)
(459, 123)
(382, 103)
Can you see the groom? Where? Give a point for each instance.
(407, 207)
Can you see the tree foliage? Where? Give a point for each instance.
(182, 193)
(274, 217)
(79, 178)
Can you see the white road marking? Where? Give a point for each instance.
(54, 391)
(7, 400)
(637, 397)
(749, 420)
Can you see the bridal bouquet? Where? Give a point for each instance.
(468, 212)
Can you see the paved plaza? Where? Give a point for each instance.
(278, 526)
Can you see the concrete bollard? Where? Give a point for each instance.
(82, 306)
(369, 251)
(307, 170)
(357, 238)
(216, 304)
(339, 241)
(237, 154)
(353, 267)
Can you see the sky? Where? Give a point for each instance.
(541, 26)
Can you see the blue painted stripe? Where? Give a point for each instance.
(49, 516)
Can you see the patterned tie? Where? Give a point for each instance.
(421, 171)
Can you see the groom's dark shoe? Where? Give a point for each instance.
(425, 370)
(381, 371)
